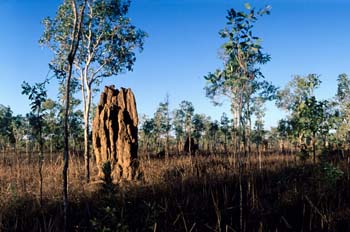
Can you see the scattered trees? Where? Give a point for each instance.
(93, 40)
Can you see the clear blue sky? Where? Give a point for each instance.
(302, 36)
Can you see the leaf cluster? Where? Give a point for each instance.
(107, 39)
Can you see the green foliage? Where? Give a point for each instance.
(37, 95)
(198, 126)
(187, 110)
(108, 222)
(242, 55)
(297, 91)
(107, 39)
(343, 90)
(330, 174)
(148, 127)
(258, 110)
(341, 104)
(162, 118)
(179, 123)
(306, 113)
(240, 78)
(6, 130)
(213, 130)
(285, 128)
(224, 123)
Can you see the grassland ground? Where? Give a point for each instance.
(181, 193)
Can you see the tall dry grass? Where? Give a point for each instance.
(182, 193)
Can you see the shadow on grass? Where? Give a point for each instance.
(293, 199)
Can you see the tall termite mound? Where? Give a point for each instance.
(114, 135)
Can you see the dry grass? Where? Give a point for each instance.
(176, 194)
(18, 178)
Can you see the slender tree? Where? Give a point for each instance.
(188, 109)
(310, 118)
(258, 110)
(242, 55)
(162, 122)
(37, 95)
(179, 128)
(63, 35)
(225, 127)
(148, 130)
(6, 117)
(342, 101)
(198, 126)
(213, 134)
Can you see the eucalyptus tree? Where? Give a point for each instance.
(296, 91)
(225, 128)
(162, 122)
(18, 131)
(206, 133)
(179, 128)
(63, 35)
(285, 131)
(6, 133)
(310, 118)
(187, 108)
(242, 56)
(214, 129)
(342, 101)
(148, 130)
(37, 95)
(329, 123)
(52, 124)
(297, 98)
(258, 110)
(106, 46)
(198, 126)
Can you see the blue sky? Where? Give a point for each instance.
(302, 36)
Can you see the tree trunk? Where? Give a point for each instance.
(167, 129)
(51, 149)
(27, 147)
(241, 226)
(167, 146)
(66, 150)
(86, 134)
(189, 142)
(75, 37)
(259, 154)
(314, 147)
(249, 128)
(40, 158)
(225, 144)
